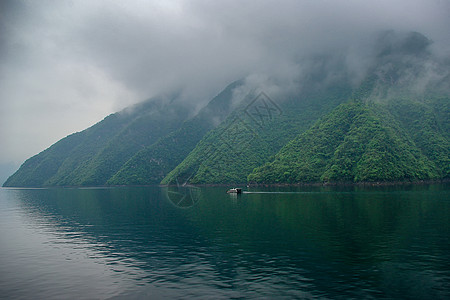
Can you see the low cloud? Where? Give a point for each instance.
(64, 65)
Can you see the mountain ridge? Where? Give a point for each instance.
(392, 125)
(355, 143)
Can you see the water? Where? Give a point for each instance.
(315, 242)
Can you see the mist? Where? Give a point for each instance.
(65, 65)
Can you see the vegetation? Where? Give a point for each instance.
(139, 145)
(244, 141)
(394, 126)
(357, 142)
(151, 164)
(92, 156)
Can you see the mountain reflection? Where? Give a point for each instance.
(310, 242)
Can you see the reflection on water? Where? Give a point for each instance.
(185, 242)
(182, 196)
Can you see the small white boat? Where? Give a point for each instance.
(234, 191)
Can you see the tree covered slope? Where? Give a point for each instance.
(92, 156)
(252, 134)
(325, 124)
(392, 126)
(139, 145)
(151, 164)
(364, 142)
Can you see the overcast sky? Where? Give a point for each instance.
(64, 65)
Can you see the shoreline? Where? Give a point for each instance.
(299, 184)
(337, 184)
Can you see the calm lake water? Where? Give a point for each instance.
(152, 242)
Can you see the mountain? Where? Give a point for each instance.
(92, 156)
(393, 126)
(364, 142)
(252, 133)
(151, 164)
(324, 125)
(138, 145)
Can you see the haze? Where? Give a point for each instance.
(65, 65)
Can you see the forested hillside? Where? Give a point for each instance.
(253, 133)
(392, 126)
(363, 142)
(92, 156)
(139, 145)
(325, 124)
(151, 164)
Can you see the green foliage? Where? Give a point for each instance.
(359, 142)
(137, 146)
(243, 142)
(92, 156)
(385, 131)
(153, 163)
(427, 122)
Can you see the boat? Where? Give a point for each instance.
(234, 191)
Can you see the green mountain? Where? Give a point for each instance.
(324, 125)
(392, 126)
(151, 164)
(364, 142)
(252, 134)
(136, 146)
(92, 156)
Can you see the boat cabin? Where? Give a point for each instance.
(235, 191)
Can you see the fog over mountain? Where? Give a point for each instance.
(65, 65)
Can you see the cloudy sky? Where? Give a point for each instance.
(64, 65)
